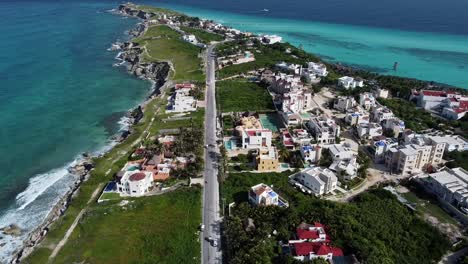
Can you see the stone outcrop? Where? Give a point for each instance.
(130, 9)
(81, 172)
(12, 230)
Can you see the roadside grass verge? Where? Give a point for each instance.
(241, 96)
(149, 229)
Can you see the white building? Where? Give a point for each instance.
(453, 113)
(369, 130)
(295, 68)
(319, 180)
(135, 183)
(270, 39)
(380, 93)
(301, 137)
(395, 125)
(181, 101)
(256, 138)
(340, 152)
(381, 146)
(347, 167)
(344, 103)
(324, 129)
(311, 154)
(415, 157)
(283, 83)
(452, 143)
(190, 38)
(314, 71)
(350, 83)
(319, 69)
(263, 195)
(297, 101)
(380, 114)
(357, 117)
(451, 105)
(367, 100)
(450, 185)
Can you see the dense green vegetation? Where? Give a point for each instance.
(241, 96)
(204, 36)
(457, 159)
(164, 44)
(265, 56)
(375, 226)
(415, 119)
(138, 232)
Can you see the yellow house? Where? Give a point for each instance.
(267, 159)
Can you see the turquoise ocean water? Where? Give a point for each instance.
(60, 95)
(433, 56)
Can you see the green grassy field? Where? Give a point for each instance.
(239, 96)
(204, 36)
(157, 10)
(148, 230)
(164, 44)
(105, 167)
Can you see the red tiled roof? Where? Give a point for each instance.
(183, 85)
(304, 248)
(307, 234)
(463, 104)
(337, 252)
(137, 176)
(434, 93)
(459, 110)
(323, 250)
(316, 224)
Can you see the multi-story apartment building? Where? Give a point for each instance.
(324, 129)
(415, 157)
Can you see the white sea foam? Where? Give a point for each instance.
(125, 122)
(33, 205)
(39, 184)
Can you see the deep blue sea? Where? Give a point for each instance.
(60, 95)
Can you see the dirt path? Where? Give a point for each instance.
(75, 223)
(144, 134)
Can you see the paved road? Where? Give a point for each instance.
(452, 258)
(211, 217)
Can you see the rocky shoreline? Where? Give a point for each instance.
(156, 72)
(81, 173)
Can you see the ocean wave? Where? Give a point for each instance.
(33, 205)
(125, 122)
(39, 184)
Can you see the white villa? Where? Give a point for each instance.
(324, 129)
(369, 130)
(350, 83)
(344, 103)
(135, 183)
(255, 138)
(367, 100)
(263, 195)
(318, 180)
